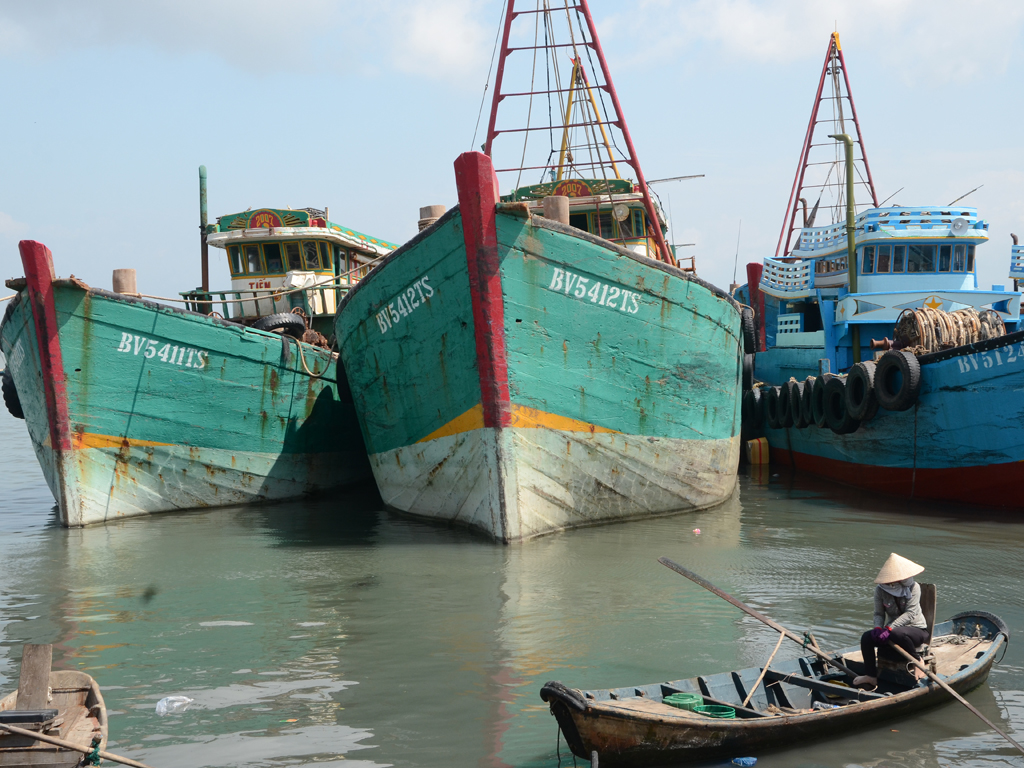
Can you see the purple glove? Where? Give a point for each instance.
(881, 635)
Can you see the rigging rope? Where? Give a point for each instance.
(487, 83)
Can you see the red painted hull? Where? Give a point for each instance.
(995, 485)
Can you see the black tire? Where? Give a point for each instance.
(11, 399)
(806, 413)
(818, 400)
(839, 419)
(748, 372)
(785, 415)
(860, 391)
(747, 322)
(771, 407)
(897, 380)
(285, 322)
(795, 398)
(752, 407)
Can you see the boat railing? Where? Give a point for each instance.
(236, 304)
(796, 277)
(1017, 262)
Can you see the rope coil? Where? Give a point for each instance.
(927, 330)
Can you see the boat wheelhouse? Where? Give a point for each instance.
(906, 258)
(273, 252)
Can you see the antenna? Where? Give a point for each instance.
(968, 193)
(736, 263)
(676, 178)
(826, 154)
(890, 197)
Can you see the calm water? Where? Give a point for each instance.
(333, 633)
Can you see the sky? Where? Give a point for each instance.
(110, 107)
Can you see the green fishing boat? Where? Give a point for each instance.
(136, 406)
(540, 361)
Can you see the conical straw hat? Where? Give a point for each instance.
(897, 568)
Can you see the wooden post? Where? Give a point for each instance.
(556, 207)
(124, 281)
(204, 247)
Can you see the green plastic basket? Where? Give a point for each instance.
(716, 710)
(684, 700)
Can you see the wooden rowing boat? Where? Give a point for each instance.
(66, 704)
(796, 701)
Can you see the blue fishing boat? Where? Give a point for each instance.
(924, 414)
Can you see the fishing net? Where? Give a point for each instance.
(927, 330)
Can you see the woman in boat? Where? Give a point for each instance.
(898, 616)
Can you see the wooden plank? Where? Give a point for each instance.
(35, 676)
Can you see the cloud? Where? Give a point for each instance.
(12, 228)
(437, 40)
(931, 41)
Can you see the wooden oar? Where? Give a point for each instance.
(761, 617)
(69, 745)
(764, 671)
(756, 614)
(946, 687)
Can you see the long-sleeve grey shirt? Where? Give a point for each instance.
(895, 612)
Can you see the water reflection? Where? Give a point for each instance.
(329, 631)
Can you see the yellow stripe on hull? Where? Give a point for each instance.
(522, 417)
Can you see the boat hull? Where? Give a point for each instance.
(959, 442)
(521, 377)
(634, 728)
(135, 408)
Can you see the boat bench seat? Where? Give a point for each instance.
(31, 719)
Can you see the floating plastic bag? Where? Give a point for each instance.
(744, 761)
(172, 705)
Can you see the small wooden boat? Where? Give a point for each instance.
(66, 704)
(796, 701)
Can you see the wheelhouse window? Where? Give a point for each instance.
(970, 258)
(325, 255)
(605, 226)
(579, 220)
(959, 257)
(945, 257)
(899, 258)
(638, 223)
(294, 255)
(884, 259)
(868, 261)
(275, 261)
(309, 251)
(921, 258)
(235, 260)
(253, 262)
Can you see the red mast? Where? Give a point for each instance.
(603, 140)
(827, 166)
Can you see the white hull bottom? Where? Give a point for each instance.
(515, 483)
(97, 485)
